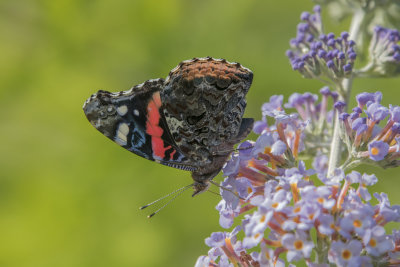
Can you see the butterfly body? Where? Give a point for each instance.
(190, 121)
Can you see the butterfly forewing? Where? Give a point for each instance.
(133, 120)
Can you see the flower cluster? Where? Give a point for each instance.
(375, 11)
(313, 116)
(384, 52)
(318, 55)
(324, 215)
(365, 140)
(317, 115)
(286, 213)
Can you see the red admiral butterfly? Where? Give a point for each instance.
(190, 121)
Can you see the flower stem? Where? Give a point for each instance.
(322, 249)
(336, 145)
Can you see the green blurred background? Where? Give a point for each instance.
(68, 195)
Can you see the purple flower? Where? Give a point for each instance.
(316, 115)
(339, 105)
(361, 131)
(357, 221)
(216, 239)
(253, 240)
(345, 254)
(277, 202)
(336, 178)
(366, 180)
(244, 188)
(376, 112)
(274, 104)
(364, 98)
(321, 196)
(202, 261)
(231, 200)
(394, 113)
(378, 150)
(267, 257)
(320, 164)
(224, 247)
(395, 254)
(387, 212)
(309, 213)
(358, 124)
(353, 177)
(312, 51)
(260, 126)
(299, 245)
(384, 51)
(327, 224)
(226, 214)
(278, 148)
(231, 168)
(266, 140)
(376, 242)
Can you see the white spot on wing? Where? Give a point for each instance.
(122, 132)
(136, 112)
(122, 110)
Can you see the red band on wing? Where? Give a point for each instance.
(171, 156)
(152, 126)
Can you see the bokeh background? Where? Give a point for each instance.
(68, 195)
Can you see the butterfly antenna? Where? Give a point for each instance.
(183, 189)
(215, 193)
(161, 198)
(227, 189)
(223, 153)
(244, 148)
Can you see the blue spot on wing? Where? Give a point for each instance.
(138, 138)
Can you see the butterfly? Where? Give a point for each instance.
(190, 121)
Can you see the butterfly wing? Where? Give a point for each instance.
(133, 120)
(204, 102)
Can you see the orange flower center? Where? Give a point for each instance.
(357, 223)
(296, 210)
(298, 244)
(346, 254)
(372, 243)
(374, 151)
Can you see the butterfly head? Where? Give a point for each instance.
(202, 180)
(200, 187)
